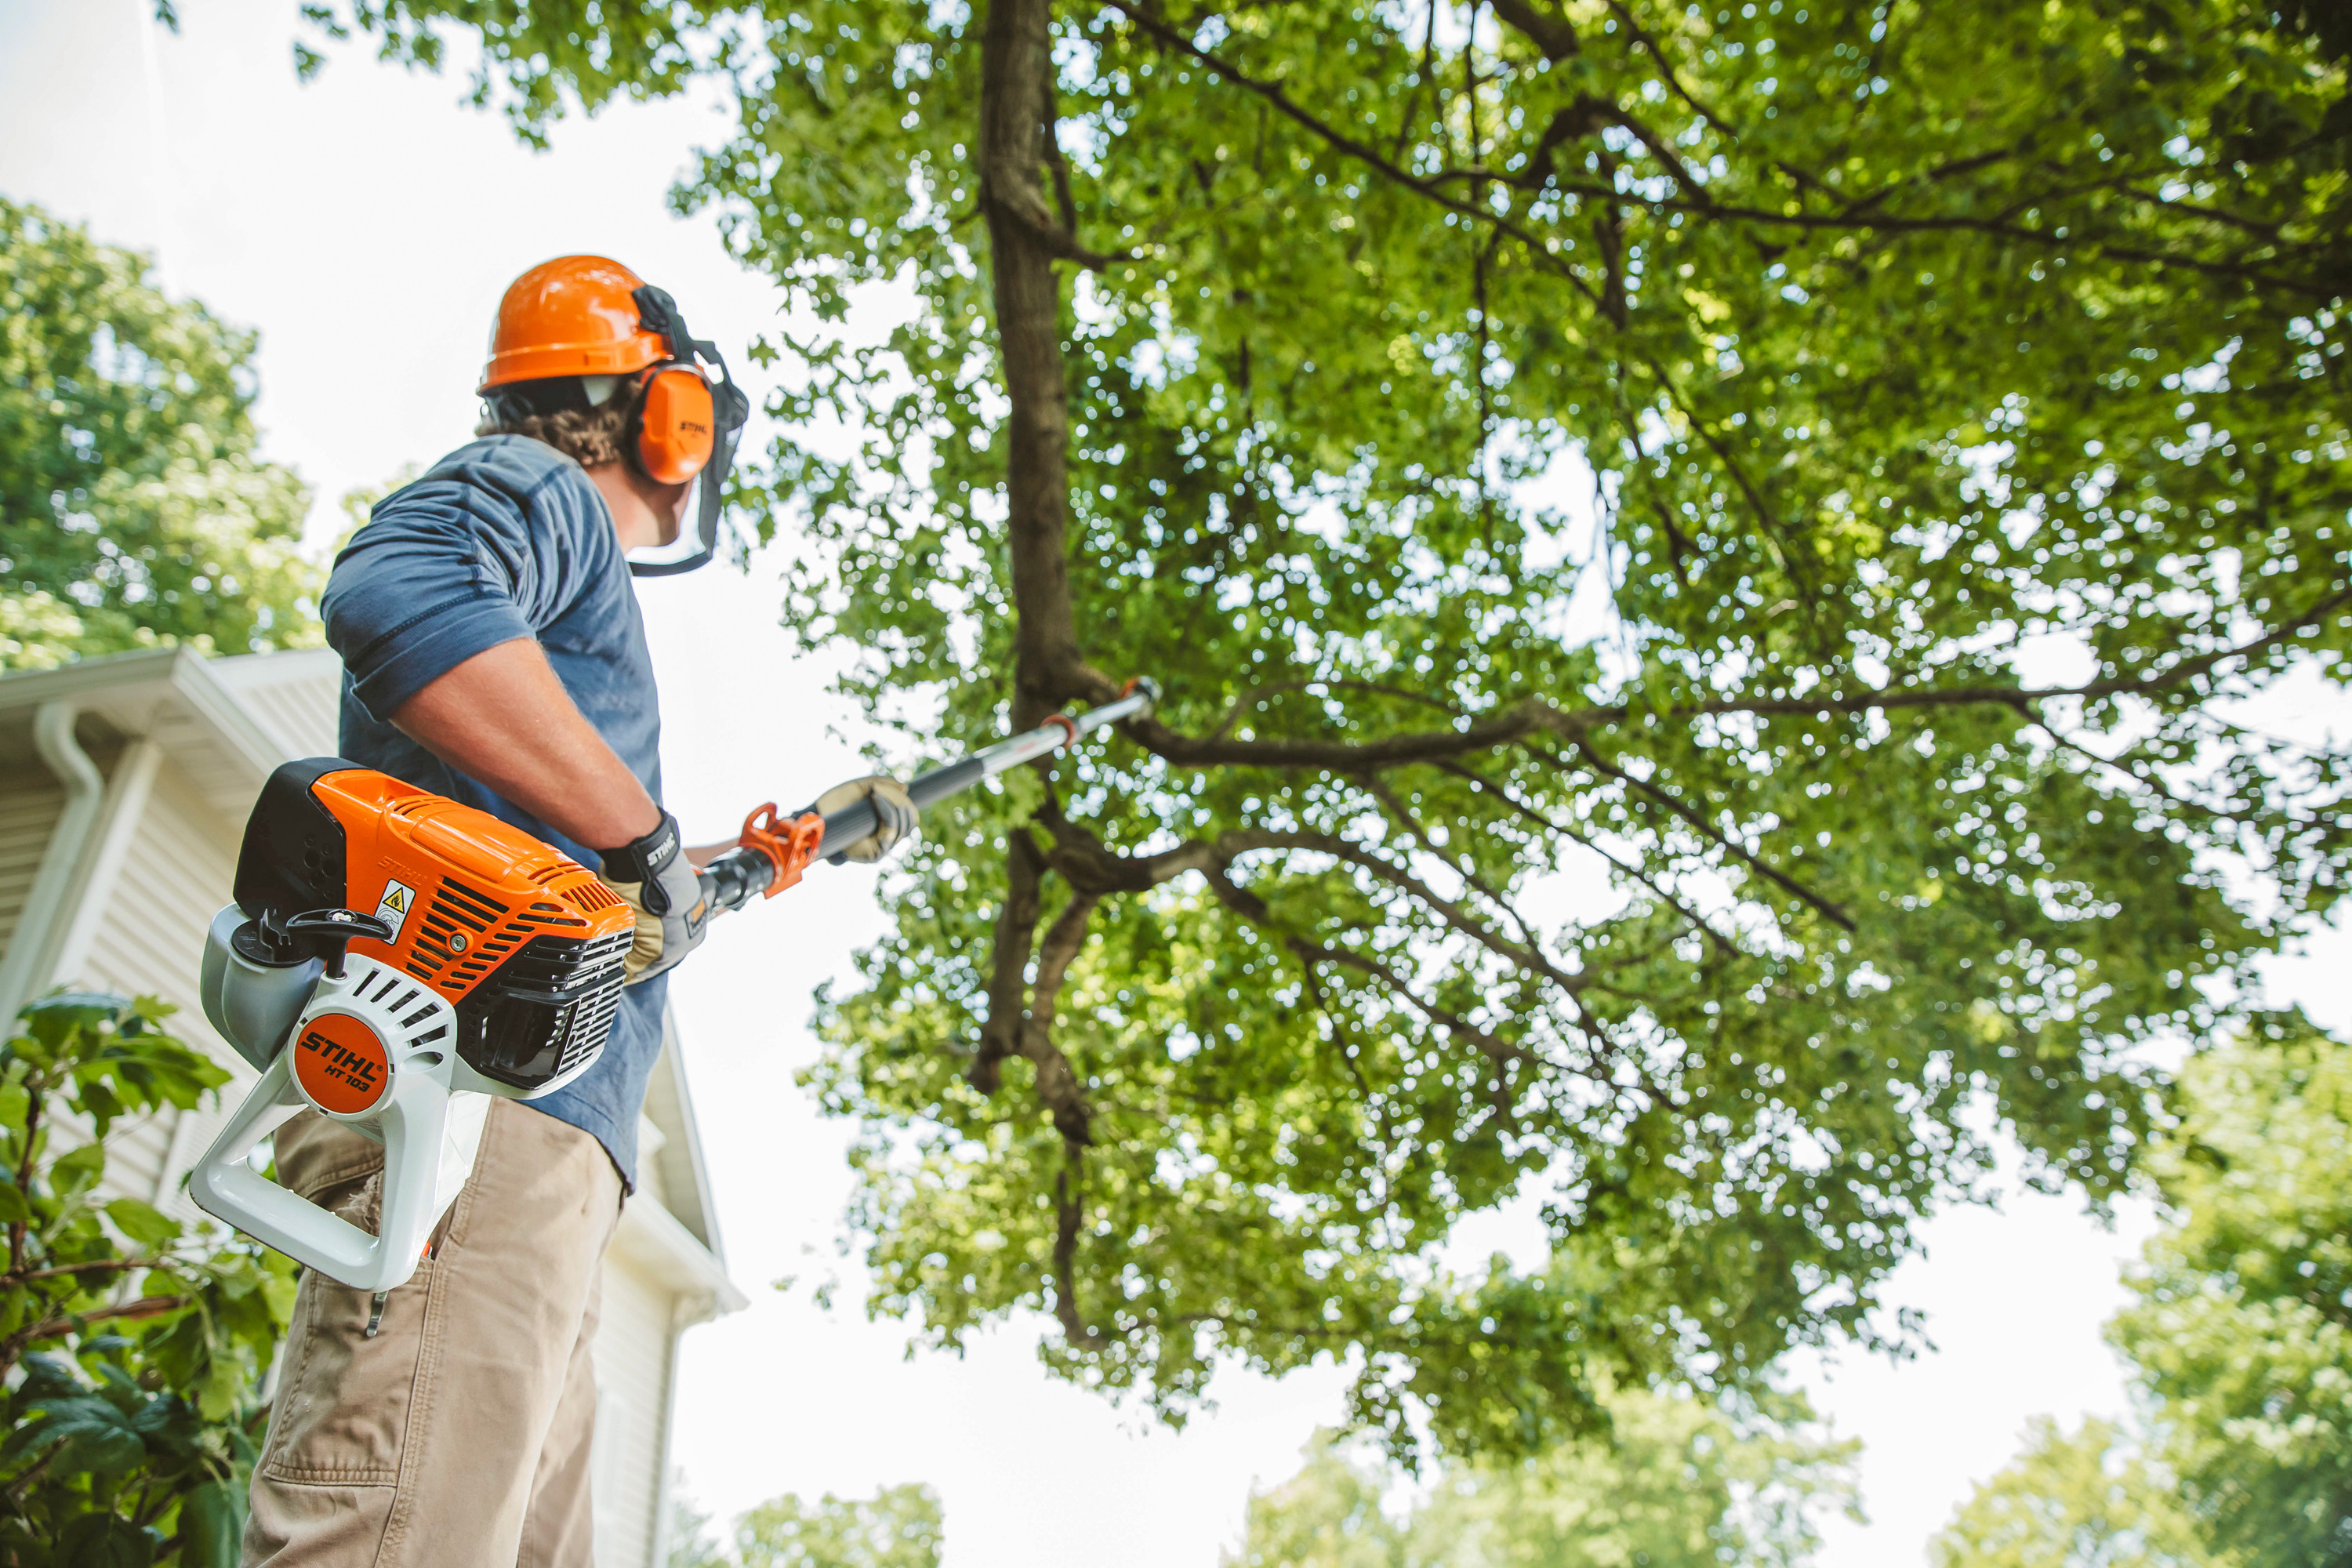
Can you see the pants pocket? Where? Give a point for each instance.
(344, 1414)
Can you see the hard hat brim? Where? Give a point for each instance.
(625, 357)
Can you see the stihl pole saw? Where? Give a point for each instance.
(393, 960)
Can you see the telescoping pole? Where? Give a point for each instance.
(738, 877)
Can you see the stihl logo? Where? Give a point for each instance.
(340, 1063)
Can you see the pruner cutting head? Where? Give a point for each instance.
(1146, 685)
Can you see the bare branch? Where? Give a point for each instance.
(1016, 931)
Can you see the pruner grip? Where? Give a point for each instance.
(790, 844)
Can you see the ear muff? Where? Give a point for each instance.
(672, 425)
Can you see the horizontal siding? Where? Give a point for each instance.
(182, 862)
(29, 803)
(300, 713)
(632, 1350)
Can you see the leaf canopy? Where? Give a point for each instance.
(1705, 562)
(135, 508)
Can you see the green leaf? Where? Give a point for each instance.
(99, 1437)
(104, 1540)
(212, 1523)
(15, 1104)
(77, 1171)
(146, 1226)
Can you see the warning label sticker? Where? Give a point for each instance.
(394, 906)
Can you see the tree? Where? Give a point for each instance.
(1680, 1485)
(2241, 1344)
(1954, 398)
(2243, 1332)
(899, 1527)
(134, 507)
(130, 1348)
(2089, 1500)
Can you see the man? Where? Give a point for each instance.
(493, 653)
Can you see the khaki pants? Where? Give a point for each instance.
(458, 1436)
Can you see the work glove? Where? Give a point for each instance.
(894, 816)
(658, 881)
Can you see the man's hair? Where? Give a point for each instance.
(587, 435)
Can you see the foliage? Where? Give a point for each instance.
(1953, 400)
(1678, 1485)
(132, 1348)
(2242, 1330)
(2240, 1342)
(689, 1544)
(899, 1527)
(2091, 1500)
(134, 507)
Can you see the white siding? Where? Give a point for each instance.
(30, 801)
(182, 860)
(295, 695)
(148, 940)
(632, 1366)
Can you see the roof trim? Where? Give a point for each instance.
(180, 673)
(652, 1236)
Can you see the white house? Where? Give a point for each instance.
(124, 785)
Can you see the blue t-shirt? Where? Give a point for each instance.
(507, 539)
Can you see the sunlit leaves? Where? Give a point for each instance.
(1880, 443)
(134, 507)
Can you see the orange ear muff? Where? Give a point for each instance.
(675, 430)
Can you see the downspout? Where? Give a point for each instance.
(21, 971)
(685, 1312)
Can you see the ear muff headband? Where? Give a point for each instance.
(683, 424)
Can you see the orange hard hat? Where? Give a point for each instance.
(576, 315)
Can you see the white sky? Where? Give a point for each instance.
(366, 226)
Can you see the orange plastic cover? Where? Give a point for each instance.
(340, 1064)
(461, 889)
(675, 436)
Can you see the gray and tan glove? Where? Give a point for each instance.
(658, 881)
(894, 816)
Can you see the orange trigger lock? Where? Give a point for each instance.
(789, 846)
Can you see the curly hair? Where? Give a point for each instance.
(587, 435)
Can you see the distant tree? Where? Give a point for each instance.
(2240, 1342)
(2089, 1500)
(1675, 1484)
(2243, 1332)
(690, 1544)
(135, 508)
(899, 1527)
(132, 1345)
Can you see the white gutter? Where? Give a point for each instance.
(28, 966)
(717, 1297)
(650, 1235)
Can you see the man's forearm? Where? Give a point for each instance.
(504, 719)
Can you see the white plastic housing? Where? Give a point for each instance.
(252, 1004)
(430, 1130)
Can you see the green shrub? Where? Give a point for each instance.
(140, 1341)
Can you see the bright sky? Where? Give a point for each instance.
(366, 226)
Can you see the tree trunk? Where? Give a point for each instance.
(1016, 65)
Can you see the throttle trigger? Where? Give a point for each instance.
(791, 846)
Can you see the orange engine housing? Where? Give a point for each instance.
(525, 943)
